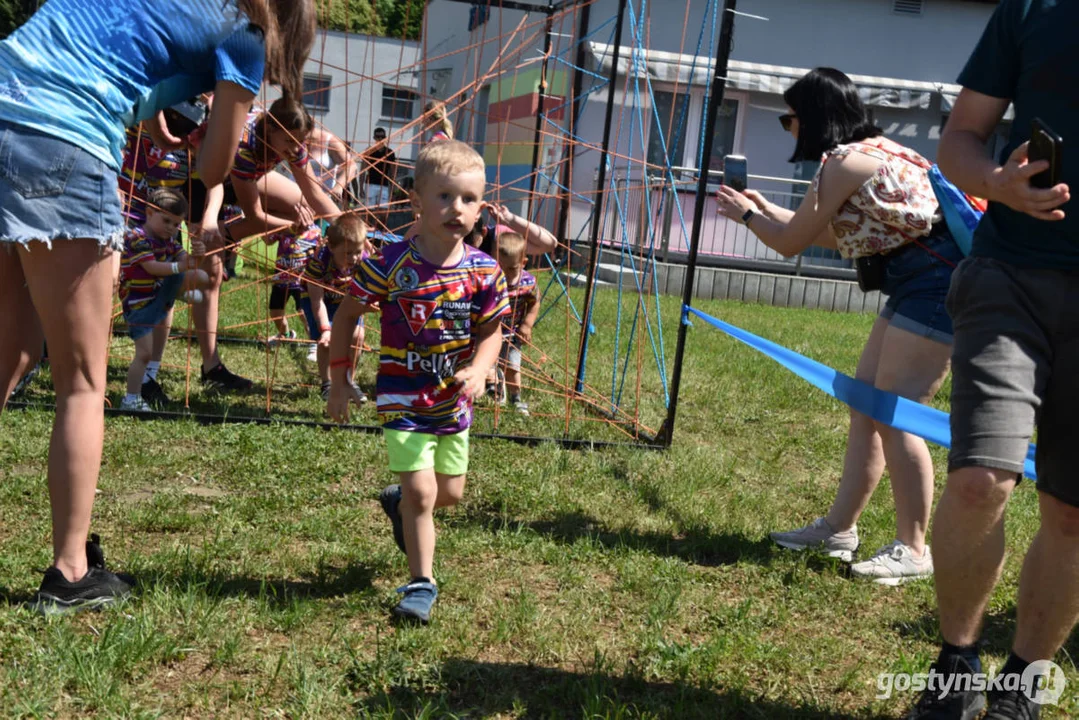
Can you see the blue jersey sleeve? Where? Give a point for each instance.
(241, 59)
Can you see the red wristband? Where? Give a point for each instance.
(326, 328)
(340, 362)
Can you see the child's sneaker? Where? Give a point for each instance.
(97, 588)
(895, 564)
(819, 535)
(519, 405)
(154, 394)
(135, 403)
(419, 598)
(390, 499)
(326, 390)
(274, 340)
(359, 397)
(312, 353)
(219, 378)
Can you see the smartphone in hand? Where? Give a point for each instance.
(1045, 145)
(735, 172)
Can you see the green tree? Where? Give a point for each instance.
(402, 18)
(356, 16)
(14, 13)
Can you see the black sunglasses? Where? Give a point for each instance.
(786, 121)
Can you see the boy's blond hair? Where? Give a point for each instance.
(511, 248)
(348, 229)
(449, 157)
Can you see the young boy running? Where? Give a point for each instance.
(441, 302)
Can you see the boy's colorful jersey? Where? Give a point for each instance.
(430, 315)
(522, 297)
(138, 287)
(145, 167)
(293, 253)
(322, 270)
(253, 160)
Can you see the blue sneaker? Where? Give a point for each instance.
(390, 499)
(419, 598)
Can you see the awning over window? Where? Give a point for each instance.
(758, 77)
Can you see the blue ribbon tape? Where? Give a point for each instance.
(884, 407)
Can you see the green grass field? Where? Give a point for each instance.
(615, 583)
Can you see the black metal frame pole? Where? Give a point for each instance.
(542, 95)
(597, 207)
(723, 54)
(571, 123)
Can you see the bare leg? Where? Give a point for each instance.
(71, 287)
(161, 337)
(22, 336)
(968, 532)
(421, 492)
(205, 313)
(278, 317)
(513, 382)
(913, 367)
(144, 349)
(1049, 584)
(863, 463)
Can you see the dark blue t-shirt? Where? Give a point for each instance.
(1030, 56)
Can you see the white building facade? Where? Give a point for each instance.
(905, 56)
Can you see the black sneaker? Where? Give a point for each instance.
(96, 589)
(153, 393)
(326, 390)
(95, 557)
(1012, 705)
(390, 499)
(219, 378)
(960, 705)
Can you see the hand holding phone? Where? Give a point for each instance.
(735, 172)
(1045, 145)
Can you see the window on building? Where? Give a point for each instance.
(316, 92)
(479, 120)
(477, 16)
(723, 133)
(666, 140)
(398, 103)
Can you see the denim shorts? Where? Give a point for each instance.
(142, 321)
(53, 190)
(916, 282)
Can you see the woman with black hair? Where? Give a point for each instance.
(872, 201)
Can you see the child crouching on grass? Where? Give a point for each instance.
(295, 248)
(153, 270)
(441, 302)
(328, 277)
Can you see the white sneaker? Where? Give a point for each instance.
(312, 353)
(894, 564)
(819, 535)
(136, 403)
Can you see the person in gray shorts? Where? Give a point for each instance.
(1015, 310)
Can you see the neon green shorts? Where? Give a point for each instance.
(411, 451)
